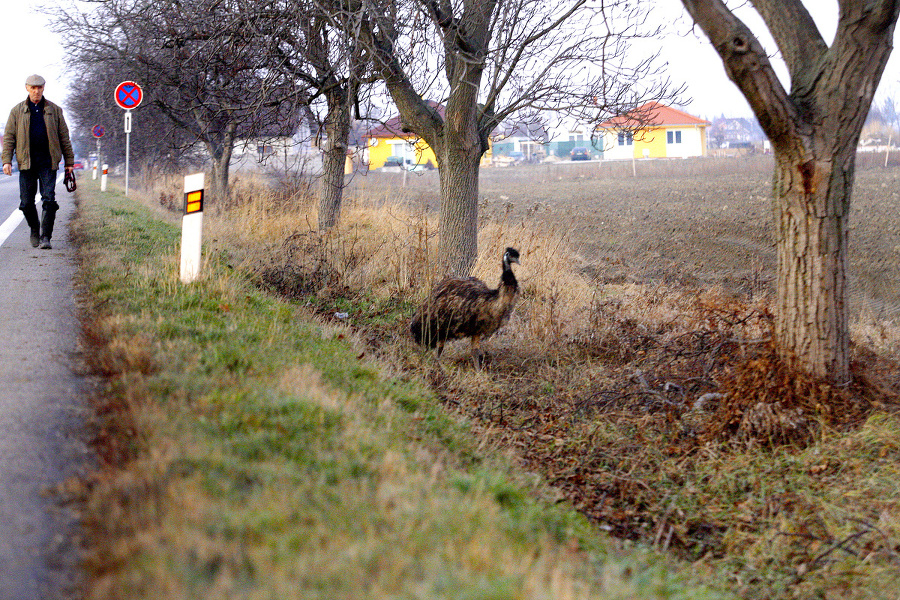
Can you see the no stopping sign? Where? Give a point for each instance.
(128, 95)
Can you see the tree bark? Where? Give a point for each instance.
(811, 210)
(337, 128)
(458, 228)
(220, 152)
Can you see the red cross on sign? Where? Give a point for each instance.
(128, 95)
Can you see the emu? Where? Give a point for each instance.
(466, 307)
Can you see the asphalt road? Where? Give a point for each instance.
(43, 404)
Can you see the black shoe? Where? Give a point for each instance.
(34, 223)
(48, 217)
(45, 244)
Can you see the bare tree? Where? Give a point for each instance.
(488, 60)
(223, 69)
(814, 128)
(203, 63)
(890, 115)
(155, 140)
(318, 49)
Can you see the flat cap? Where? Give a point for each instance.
(35, 80)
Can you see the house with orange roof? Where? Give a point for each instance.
(653, 130)
(392, 144)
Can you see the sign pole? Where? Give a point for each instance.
(192, 227)
(127, 145)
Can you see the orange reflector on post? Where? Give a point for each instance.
(193, 202)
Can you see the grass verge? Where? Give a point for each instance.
(250, 452)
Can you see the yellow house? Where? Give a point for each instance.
(389, 146)
(653, 131)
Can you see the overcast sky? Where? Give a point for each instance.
(692, 59)
(32, 48)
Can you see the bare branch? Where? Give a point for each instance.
(748, 66)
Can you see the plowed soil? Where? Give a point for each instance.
(692, 222)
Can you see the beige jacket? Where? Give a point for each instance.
(15, 138)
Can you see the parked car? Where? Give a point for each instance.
(411, 165)
(580, 153)
(78, 165)
(516, 156)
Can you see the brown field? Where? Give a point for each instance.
(685, 222)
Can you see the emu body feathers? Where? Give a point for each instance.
(459, 308)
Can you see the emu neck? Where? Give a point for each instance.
(508, 284)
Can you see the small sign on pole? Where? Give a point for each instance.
(192, 227)
(97, 132)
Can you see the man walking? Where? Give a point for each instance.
(36, 132)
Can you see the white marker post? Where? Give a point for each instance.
(103, 178)
(192, 227)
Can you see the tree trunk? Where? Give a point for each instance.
(458, 228)
(811, 212)
(337, 129)
(814, 131)
(221, 163)
(456, 137)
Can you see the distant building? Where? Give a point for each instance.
(653, 131)
(391, 144)
(735, 132)
(568, 134)
(525, 139)
(285, 143)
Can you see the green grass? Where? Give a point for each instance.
(253, 454)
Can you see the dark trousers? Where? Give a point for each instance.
(29, 182)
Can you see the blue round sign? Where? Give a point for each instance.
(98, 131)
(128, 95)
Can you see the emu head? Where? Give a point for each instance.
(510, 256)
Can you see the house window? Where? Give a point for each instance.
(673, 137)
(625, 138)
(264, 151)
(576, 137)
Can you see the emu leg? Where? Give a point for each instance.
(477, 354)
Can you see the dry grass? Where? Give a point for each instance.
(250, 453)
(655, 409)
